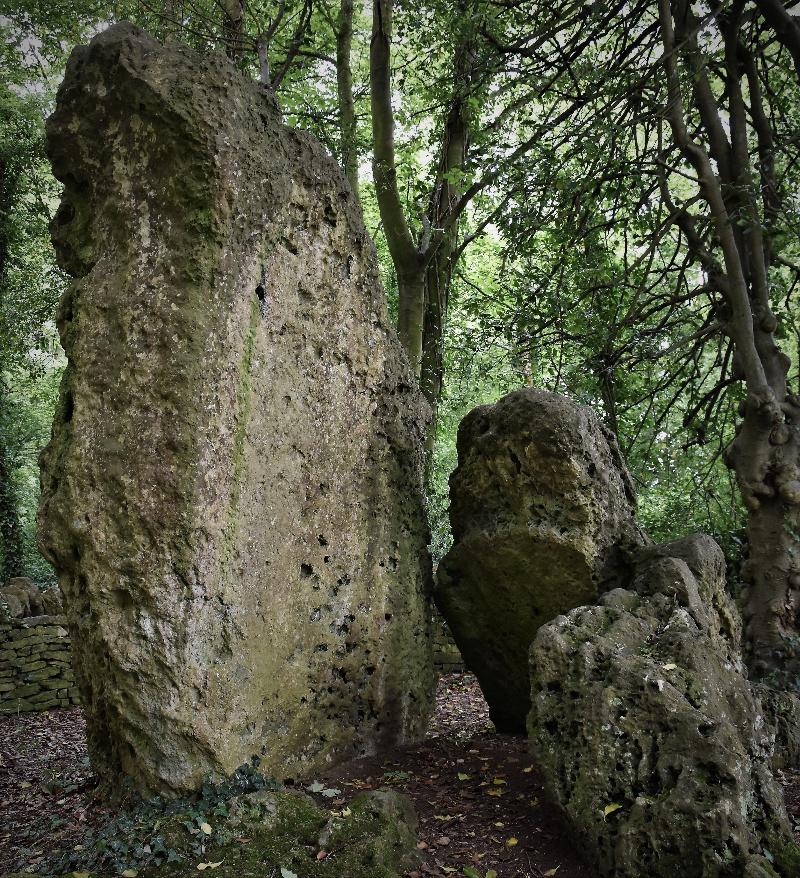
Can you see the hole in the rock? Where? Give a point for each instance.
(65, 214)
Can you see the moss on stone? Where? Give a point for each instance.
(257, 834)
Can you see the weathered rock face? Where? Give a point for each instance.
(648, 733)
(232, 495)
(782, 711)
(541, 507)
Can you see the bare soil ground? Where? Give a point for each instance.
(477, 793)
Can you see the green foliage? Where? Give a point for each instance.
(552, 291)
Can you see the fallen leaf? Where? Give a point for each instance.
(491, 874)
(469, 872)
(315, 787)
(205, 828)
(610, 809)
(130, 873)
(670, 666)
(287, 873)
(203, 866)
(321, 855)
(512, 842)
(498, 781)
(550, 872)
(422, 845)
(462, 776)
(443, 841)
(528, 769)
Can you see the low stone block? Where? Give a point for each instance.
(648, 733)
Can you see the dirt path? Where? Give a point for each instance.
(478, 795)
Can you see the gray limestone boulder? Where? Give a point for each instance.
(21, 598)
(648, 733)
(541, 506)
(232, 497)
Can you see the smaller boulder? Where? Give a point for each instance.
(22, 598)
(541, 507)
(648, 733)
(52, 601)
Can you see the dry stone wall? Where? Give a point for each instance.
(36, 665)
(232, 497)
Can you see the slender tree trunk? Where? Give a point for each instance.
(408, 260)
(11, 541)
(233, 28)
(439, 271)
(344, 85)
(13, 548)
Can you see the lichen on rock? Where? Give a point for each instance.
(648, 733)
(232, 496)
(541, 506)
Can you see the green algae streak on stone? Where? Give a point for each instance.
(232, 496)
(648, 734)
(541, 506)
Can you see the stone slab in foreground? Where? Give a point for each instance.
(648, 733)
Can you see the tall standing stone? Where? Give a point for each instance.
(541, 506)
(232, 497)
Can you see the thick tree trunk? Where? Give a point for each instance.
(772, 599)
(765, 456)
(411, 293)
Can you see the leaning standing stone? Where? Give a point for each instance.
(541, 506)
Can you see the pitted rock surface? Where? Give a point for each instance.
(233, 493)
(648, 733)
(541, 506)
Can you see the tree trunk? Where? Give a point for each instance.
(11, 540)
(233, 28)
(409, 262)
(765, 454)
(344, 86)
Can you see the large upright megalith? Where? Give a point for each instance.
(541, 506)
(232, 496)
